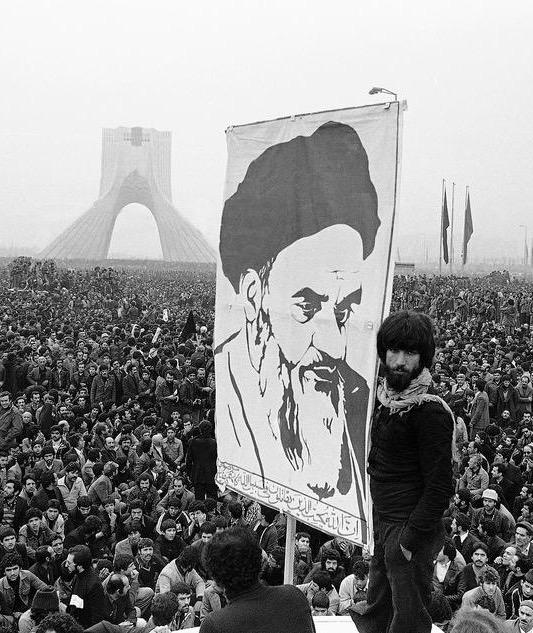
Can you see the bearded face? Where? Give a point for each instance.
(297, 344)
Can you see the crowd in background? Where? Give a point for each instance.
(108, 453)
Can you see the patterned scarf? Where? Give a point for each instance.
(413, 395)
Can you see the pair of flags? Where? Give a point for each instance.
(445, 225)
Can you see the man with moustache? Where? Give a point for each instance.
(410, 468)
(293, 241)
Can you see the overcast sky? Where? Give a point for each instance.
(70, 68)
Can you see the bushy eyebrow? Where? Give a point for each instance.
(310, 295)
(353, 297)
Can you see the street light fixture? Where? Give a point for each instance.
(525, 256)
(376, 90)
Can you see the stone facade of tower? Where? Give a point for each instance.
(135, 168)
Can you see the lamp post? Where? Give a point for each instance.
(376, 90)
(524, 226)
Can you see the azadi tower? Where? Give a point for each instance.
(135, 168)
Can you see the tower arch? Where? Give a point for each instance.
(135, 168)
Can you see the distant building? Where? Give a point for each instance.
(401, 268)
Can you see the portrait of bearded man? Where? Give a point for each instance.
(293, 242)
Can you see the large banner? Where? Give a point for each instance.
(304, 279)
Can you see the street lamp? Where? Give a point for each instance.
(376, 90)
(524, 226)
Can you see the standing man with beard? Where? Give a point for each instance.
(410, 468)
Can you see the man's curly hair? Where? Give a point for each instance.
(233, 558)
(60, 623)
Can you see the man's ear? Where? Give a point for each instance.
(250, 291)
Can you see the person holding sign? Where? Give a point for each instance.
(410, 468)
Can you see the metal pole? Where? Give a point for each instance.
(290, 539)
(451, 237)
(440, 239)
(464, 230)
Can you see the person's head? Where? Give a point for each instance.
(110, 443)
(498, 470)
(183, 593)
(448, 551)
(45, 601)
(5, 400)
(168, 529)
(8, 539)
(406, 345)
(320, 603)
(145, 481)
(475, 620)
(523, 533)
(11, 487)
(461, 523)
(84, 505)
(115, 587)
(509, 556)
(337, 233)
(79, 558)
(233, 559)
(164, 608)
(123, 563)
(188, 559)
(43, 554)
(220, 523)
(330, 561)
(480, 555)
(134, 532)
(462, 499)
(303, 541)
(198, 512)
(10, 566)
(55, 433)
(207, 530)
(29, 484)
(321, 579)
(527, 584)
(136, 510)
(178, 485)
(57, 545)
(146, 549)
(52, 511)
(72, 472)
(490, 499)
(59, 623)
(33, 518)
(361, 572)
(525, 615)
(488, 581)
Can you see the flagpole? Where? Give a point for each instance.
(464, 228)
(451, 238)
(441, 227)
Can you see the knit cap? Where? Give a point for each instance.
(46, 600)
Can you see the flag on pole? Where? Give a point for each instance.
(469, 228)
(445, 223)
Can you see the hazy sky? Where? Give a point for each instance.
(71, 68)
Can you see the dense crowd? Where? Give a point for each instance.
(108, 500)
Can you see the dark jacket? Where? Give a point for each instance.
(88, 588)
(262, 610)
(467, 547)
(202, 460)
(20, 510)
(410, 468)
(29, 584)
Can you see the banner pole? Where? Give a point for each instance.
(441, 219)
(290, 538)
(451, 236)
(464, 229)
